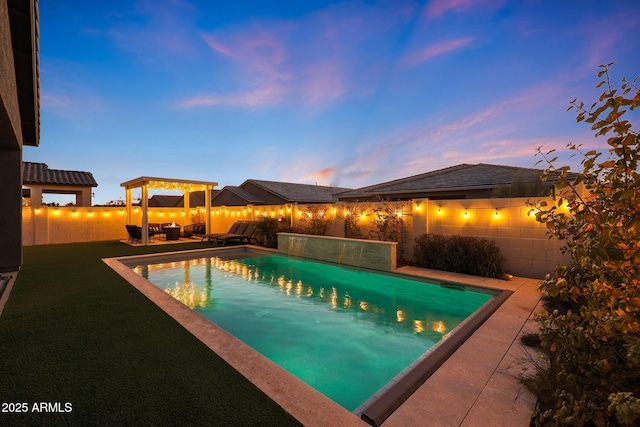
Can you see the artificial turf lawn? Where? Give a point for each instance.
(73, 331)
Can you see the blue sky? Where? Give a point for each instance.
(345, 93)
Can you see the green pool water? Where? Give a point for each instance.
(345, 332)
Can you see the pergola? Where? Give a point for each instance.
(166, 184)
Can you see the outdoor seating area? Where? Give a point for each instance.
(241, 232)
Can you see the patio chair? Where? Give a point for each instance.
(135, 233)
(242, 235)
(155, 230)
(191, 230)
(234, 229)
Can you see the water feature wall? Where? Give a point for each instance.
(372, 254)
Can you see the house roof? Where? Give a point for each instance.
(301, 193)
(23, 21)
(196, 199)
(164, 201)
(244, 194)
(39, 173)
(460, 177)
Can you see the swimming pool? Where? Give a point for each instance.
(346, 332)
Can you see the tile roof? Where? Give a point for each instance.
(164, 201)
(463, 176)
(39, 173)
(301, 193)
(244, 194)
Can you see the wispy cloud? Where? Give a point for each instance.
(257, 98)
(426, 53)
(507, 130)
(315, 59)
(437, 8)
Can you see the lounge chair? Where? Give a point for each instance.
(245, 235)
(234, 229)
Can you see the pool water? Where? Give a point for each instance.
(345, 332)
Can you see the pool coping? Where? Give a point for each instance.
(311, 407)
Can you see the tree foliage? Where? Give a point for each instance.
(590, 330)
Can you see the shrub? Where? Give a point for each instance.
(317, 219)
(388, 225)
(459, 254)
(352, 215)
(590, 331)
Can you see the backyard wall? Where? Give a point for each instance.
(522, 240)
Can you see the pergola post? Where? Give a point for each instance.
(207, 208)
(145, 213)
(186, 198)
(128, 202)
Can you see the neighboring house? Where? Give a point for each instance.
(38, 179)
(164, 201)
(196, 199)
(19, 117)
(463, 181)
(258, 192)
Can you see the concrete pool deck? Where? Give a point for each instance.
(477, 385)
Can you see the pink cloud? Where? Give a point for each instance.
(257, 98)
(314, 59)
(429, 52)
(217, 46)
(322, 176)
(437, 8)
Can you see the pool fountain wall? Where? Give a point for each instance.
(371, 254)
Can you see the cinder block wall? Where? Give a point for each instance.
(522, 240)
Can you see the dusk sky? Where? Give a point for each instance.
(344, 93)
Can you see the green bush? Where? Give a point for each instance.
(590, 330)
(459, 254)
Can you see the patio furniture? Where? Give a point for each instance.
(244, 234)
(135, 233)
(191, 230)
(155, 230)
(212, 236)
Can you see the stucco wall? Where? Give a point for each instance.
(522, 240)
(10, 153)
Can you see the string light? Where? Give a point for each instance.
(176, 186)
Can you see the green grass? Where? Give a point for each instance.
(75, 331)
